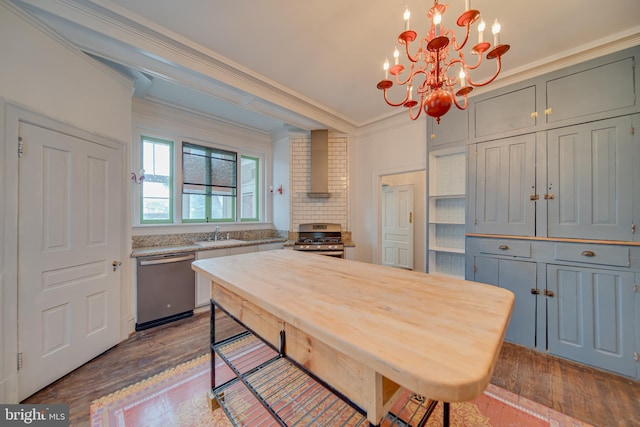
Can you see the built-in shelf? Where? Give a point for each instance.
(446, 223)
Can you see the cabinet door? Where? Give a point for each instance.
(504, 182)
(591, 317)
(507, 112)
(590, 181)
(602, 88)
(519, 277)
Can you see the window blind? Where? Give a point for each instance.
(208, 171)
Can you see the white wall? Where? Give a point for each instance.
(281, 177)
(44, 75)
(391, 146)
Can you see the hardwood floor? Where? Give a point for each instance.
(594, 396)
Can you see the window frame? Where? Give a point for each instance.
(208, 195)
(256, 192)
(172, 195)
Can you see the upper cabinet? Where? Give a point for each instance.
(503, 180)
(589, 189)
(453, 128)
(594, 90)
(598, 90)
(566, 168)
(510, 111)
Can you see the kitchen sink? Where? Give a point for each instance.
(218, 243)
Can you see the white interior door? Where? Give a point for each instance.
(397, 226)
(68, 239)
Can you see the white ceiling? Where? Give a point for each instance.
(313, 63)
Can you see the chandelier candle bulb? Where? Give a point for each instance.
(437, 18)
(481, 26)
(495, 29)
(407, 15)
(466, 5)
(462, 76)
(385, 67)
(396, 54)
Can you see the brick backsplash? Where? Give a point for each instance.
(334, 209)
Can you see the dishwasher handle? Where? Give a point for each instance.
(167, 259)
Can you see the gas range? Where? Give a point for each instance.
(322, 238)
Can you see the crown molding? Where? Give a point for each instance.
(106, 30)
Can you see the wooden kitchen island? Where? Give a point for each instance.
(367, 331)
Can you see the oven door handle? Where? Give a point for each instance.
(330, 253)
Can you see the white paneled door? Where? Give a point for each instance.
(397, 226)
(68, 254)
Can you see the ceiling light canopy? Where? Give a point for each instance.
(429, 67)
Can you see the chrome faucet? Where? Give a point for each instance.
(215, 233)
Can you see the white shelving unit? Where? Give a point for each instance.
(447, 177)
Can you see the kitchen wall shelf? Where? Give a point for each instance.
(447, 212)
(269, 389)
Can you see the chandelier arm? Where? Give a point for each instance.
(394, 104)
(455, 101)
(413, 59)
(492, 78)
(464, 42)
(471, 67)
(410, 77)
(420, 105)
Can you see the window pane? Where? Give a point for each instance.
(194, 207)
(250, 172)
(156, 197)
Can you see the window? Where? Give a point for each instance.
(250, 168)
(156, 189)
(209, 181)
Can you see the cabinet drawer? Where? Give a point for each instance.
(506, 247)
(593, 254)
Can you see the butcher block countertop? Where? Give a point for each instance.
(434, 335)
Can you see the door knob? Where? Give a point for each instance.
(116, 264)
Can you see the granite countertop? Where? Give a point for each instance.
(192, 247)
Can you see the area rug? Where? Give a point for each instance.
(178, 397)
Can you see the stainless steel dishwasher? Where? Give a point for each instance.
(166, 289)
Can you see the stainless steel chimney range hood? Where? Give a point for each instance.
(319, 164)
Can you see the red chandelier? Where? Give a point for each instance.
(429, 67)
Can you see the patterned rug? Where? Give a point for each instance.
(178, 397)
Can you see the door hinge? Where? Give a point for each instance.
(633, 228)
(636, 357)
(20, 147)
(549, 293)
(633, 130)
(475, 221)
(535, 291)
(19, 360)
(475, 268)
(635, 288)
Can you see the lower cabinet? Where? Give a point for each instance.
(590, 317)
(588, 312)
(520, 278)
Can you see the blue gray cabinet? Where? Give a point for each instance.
(553, 202)
(520, 278)
(504, 178)
(575, 300)
(590, 180)
(591, 316)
